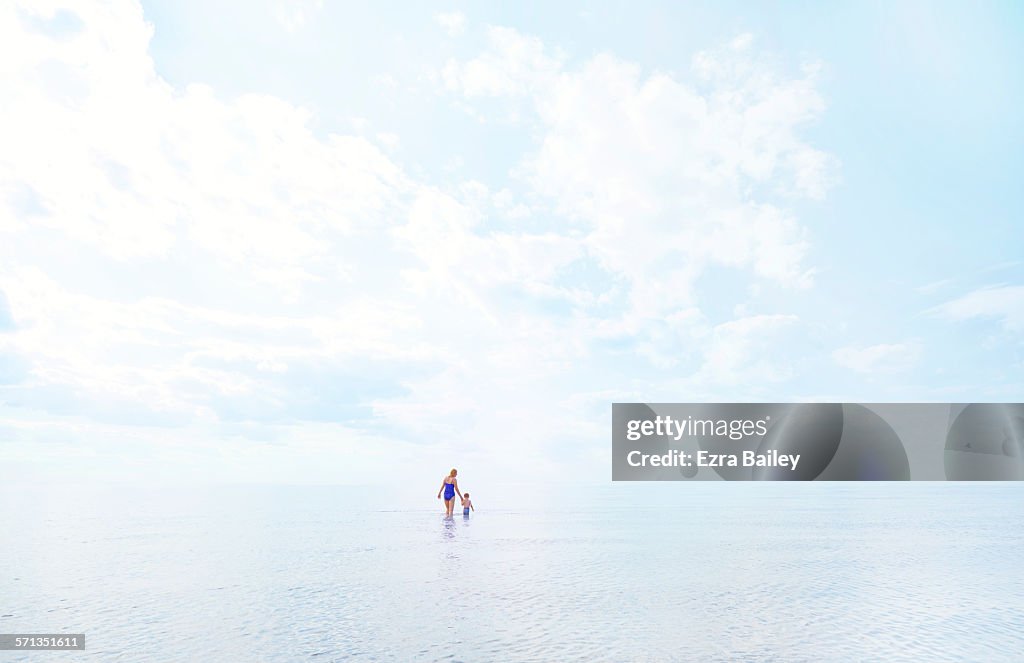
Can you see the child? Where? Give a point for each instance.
(466, 504)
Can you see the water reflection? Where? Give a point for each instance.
(450, 549)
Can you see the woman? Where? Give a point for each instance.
(450, 487)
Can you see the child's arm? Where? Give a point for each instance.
(472, 508)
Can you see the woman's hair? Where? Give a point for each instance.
(453, 472)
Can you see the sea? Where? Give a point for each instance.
(616, 572)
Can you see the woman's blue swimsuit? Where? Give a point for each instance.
(449, 491)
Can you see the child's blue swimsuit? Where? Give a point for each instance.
(449, 491)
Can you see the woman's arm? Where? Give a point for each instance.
(456, 482)
(440, 490)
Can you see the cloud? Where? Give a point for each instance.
(13, 369)
(292, 15)
(513, 64)
(454, 23)
(233, 203)
(177, 260)
(663, 177)
(389, 140)
(231, 266)
(135, 169)
(934, 286)
(6, 319)
(881, 358)
(741, 351)
(1005, 303)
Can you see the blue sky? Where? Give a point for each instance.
(335, 243)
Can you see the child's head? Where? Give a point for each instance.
(465, 494)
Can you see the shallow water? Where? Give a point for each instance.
(675, 571)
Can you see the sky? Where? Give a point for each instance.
(351, 243)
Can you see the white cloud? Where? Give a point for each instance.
(292, 15)
(934, 286)
(134, 168)
(178, 258)
(514, 64)
(1005, 303)
(663, 178)
(745, 351)
(389, 140)
(881, 358)
(224, 254)
(454, 23)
